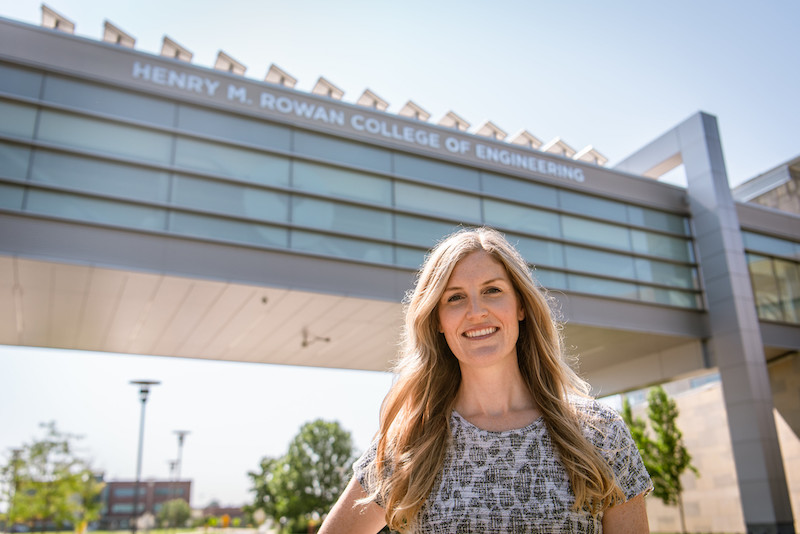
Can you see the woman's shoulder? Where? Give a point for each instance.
(591, 407)
(599, 420)
(605, 428)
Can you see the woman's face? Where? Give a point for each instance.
(479, 312)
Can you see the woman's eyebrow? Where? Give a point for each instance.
(486, 283)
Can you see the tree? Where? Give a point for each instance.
(665, 457)
(51, 485)
(8, 488)
(90, 504)
(174, 513)
(637, 427)
(301, 486)
(264, 489)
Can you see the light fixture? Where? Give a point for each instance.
(308, 339)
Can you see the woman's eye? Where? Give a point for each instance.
(493, 290)
(454, 298)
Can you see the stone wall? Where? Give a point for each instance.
(711, 501)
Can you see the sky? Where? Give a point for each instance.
(612, 74)
(236, 413)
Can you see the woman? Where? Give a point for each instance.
(486, 429)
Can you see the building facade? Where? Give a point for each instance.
(119, 500)
(777, 188)
(153, 206)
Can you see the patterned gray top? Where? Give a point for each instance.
(513, 482)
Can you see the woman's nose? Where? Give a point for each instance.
(476, 308)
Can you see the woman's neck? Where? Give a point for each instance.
(495, 399)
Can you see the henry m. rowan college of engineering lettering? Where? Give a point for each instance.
(342, 117)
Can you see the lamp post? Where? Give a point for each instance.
(181, 435)
(173, 465)
(144, 390)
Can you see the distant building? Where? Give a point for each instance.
(119, 497)
(777, 188)
(215, 510)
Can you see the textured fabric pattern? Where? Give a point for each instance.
(513, 482)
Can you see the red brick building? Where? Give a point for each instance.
(119, 498)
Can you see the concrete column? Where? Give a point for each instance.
(735, 343)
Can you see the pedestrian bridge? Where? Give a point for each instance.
(77, 286)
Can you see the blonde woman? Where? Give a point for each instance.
(486, 429)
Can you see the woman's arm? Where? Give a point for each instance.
(347, 517)
(629, 517)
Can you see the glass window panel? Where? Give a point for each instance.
(124, 492)
(341, 247)
(437, 172)
(226, 126)
(356, 154)
(551, 279)
(538, 251)
(524, 219)
(592, 206)
(105, 137)
(770, 245)
(125, 508)
(14, 161)
(95, 210)
(670, 297)
(423, 232)
(11, 196)
(597, 286)
(519, 190)
(239, 163)
(658, 220)
(765, 287)
(409, 257)
(109, 101)
(122, 508)
(102, 177)
(674, 248)
(230, 199)
(597, 233)
(597, 262)
(788, 275)
(666, 273)
(426, 199)
(20, 82)
(17, 119)
(229, 230)
(336, 217)
(341, 182)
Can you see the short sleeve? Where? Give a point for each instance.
(361, 468)
(610, 434)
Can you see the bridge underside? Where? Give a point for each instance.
(84, 307)
(73, 306)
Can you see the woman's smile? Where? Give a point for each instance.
(472, 334)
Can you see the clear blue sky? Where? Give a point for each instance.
(611, 74)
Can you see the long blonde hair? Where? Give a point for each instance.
(415, 416)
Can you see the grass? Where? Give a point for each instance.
(210, 530)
